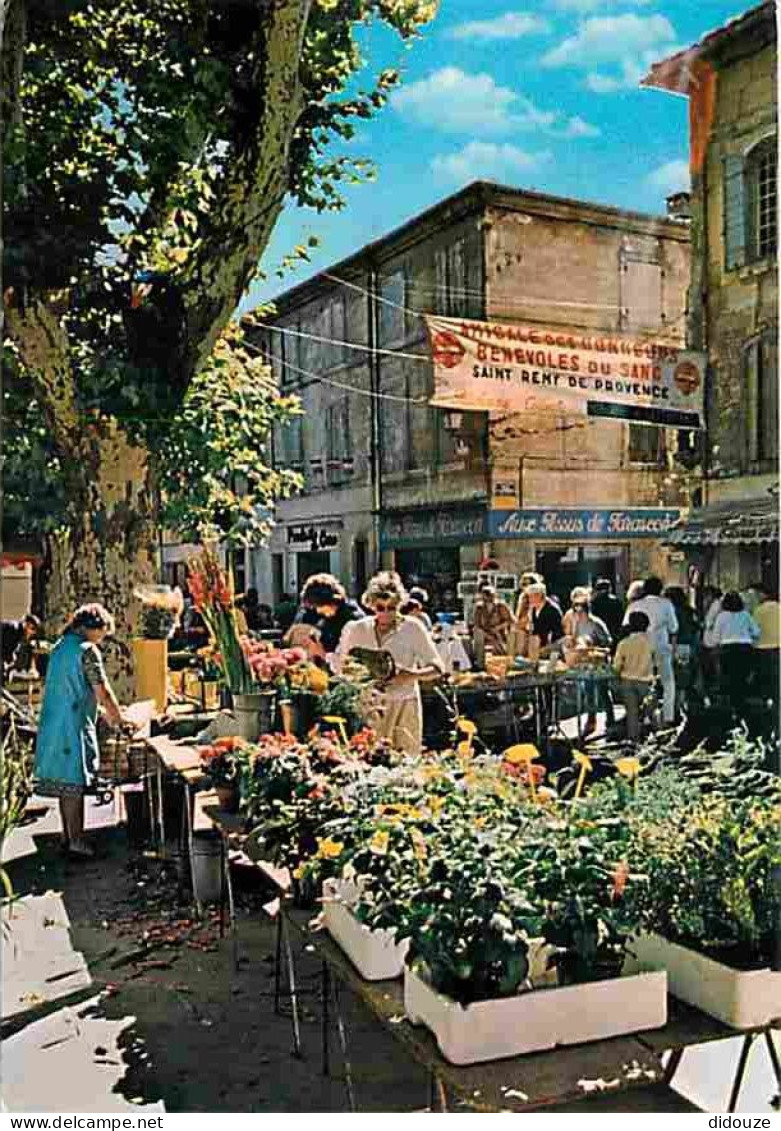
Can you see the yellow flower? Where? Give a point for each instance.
(379, 843)
(464, 749)
(419, 846)
(435, 803)
(467, 727)
(517, 755)
(582, 760)
(317, 679)
(329, 849)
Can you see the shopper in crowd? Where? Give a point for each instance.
(735, 633)
(66, 750)
(286, 611)
(634, 665)
(492, 622)
(416, 606)
(326, 596)
(687, 650)
(582, 628)
(265, 618)
(768, 617)
(545, 619)
(19, 638)
(579, 596)
(249, 604)
(662, 632)
(397, 709)
(607, 606)
(709, 656)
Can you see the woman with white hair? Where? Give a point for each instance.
(397, 709)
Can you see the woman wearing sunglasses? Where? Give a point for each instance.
(397, 711)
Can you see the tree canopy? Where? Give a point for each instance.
(148, 148)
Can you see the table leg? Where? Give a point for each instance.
(341, 1029)
(438, 1094)
(223, 885)
(740, 1072)
(150, 807)
(326, 993)
(278, 964)
(188, 817)
(672, 1065)
(773, 1054)
(578, 708)
(234, 930)
(291, 981)
(160, 817)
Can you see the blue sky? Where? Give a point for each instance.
(540, 95)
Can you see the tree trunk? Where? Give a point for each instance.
(111, 545)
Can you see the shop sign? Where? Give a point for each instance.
(489, 366)
(582, 525)
(504, 488)
(312, 538)
(411, 529)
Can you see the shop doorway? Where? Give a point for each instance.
(565, 567)
(314, 561)
(437, 570)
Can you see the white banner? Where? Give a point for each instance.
(488, 366)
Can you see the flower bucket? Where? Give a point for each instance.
(150, 658)
(228, 797)
(254, 714)
(745, 999)
(375, 954)
(207, 867)
(536, 1019)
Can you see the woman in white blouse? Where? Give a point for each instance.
(734, 633)
(397, 710)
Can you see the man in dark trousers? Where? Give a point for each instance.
(608, 607)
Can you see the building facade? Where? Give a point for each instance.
(391, 479)
(731, 80)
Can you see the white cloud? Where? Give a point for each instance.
(485, 160)
(452, 100)
(626, 44)
(456, 102)
(585, 6)
(672, 176)
(512, 25)
(577, 127)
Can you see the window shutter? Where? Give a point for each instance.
(734, 213)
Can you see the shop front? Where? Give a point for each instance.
(571, 547)
(732, 543)
(313, 548)
(433, 546)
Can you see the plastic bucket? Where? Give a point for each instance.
(207, 866)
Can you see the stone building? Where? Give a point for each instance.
(390, 478)
(731, 80)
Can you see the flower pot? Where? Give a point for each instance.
(298, 714)
(254, 714)
(746, 999)
(376, 954)
(536, 1019)
(150, 658)
(228, 797)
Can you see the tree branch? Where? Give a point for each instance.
(252, 193)
(42, 344)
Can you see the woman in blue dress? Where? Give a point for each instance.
(66, 750)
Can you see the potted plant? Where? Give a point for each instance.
(712, 908)
(225, 761)
(161, 608)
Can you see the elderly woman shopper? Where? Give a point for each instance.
(66, 750)
(397, 711)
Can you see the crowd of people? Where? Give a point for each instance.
(728, 649)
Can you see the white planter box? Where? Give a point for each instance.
(743, 998)
(376, 954)
(536, 1019)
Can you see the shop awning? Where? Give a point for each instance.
(745, 521)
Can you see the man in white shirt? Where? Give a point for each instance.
(662, 633)
(397, 709)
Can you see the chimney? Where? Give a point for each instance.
(679, 206)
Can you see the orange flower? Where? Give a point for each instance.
(620, 876)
